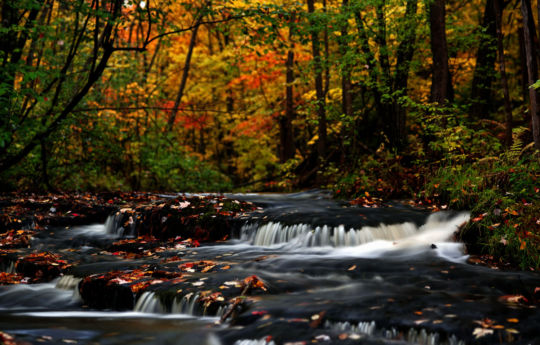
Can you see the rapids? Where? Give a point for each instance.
(333, 274)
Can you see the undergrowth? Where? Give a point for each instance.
(458, 166)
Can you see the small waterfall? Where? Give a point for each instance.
(186, 304)
(412, 336)
(276, 233)
(254, 342)
(68, 282)
(8, 267)
(361, 327)
(149, 303)
(438, 227)
(117, 225)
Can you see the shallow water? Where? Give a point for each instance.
(334, 274)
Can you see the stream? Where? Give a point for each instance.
(329, 273)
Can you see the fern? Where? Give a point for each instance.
(514, 152)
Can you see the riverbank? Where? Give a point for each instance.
(502, 193)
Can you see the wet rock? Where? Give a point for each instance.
(41, 267)
(100, 293)
(201, 219)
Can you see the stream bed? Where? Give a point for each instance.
(299, 269)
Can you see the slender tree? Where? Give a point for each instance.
(405, 52)
(346, 95)
(484, 71)
(441, 80)
(287, 146)
(532, 68)
(319, 87)
(498, 10)
(187, 64)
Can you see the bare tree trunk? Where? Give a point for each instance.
(523, 66)
(319, 89)
(326, 55)
(441, 82)
(405, 52)
(346, 96)
(484, 71)
(502, 68)
(530, 53)
(185, 73)
(288, 149)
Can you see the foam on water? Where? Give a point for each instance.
(369, 242)
(188, 304)
(106, 314)
(148, 303)
(114, 226)
(411, 336)
(35, 296)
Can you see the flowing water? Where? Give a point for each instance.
(333, 273)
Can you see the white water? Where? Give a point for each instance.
(148, 303)
(68, 282)
(114, 227)
(437, 229)
(107, 314)
(186, 304)
(35, 296)
(413, 336)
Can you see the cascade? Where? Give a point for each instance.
(68, 282)
(114, 226)
(186, 304)
(437, 228)
(412, 336)
(148, 303)
(254, 342)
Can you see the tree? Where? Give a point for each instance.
(199, 16)
(319, 88)
(498, 10)
(441, 80)
(481, 88)
(532, 68)
(47, 44)
(287, 146)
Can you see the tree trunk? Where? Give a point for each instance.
(441, 82)
(484, 72)
(523, 66)
(319, 89)
(498, 10)
(532, 70)
(346, 97)
(285, 122)
(326, 55)
(185, 73)
(405, 52)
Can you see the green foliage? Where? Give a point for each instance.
(504, 199)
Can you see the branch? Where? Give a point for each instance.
(189, 28)
(150, 108)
